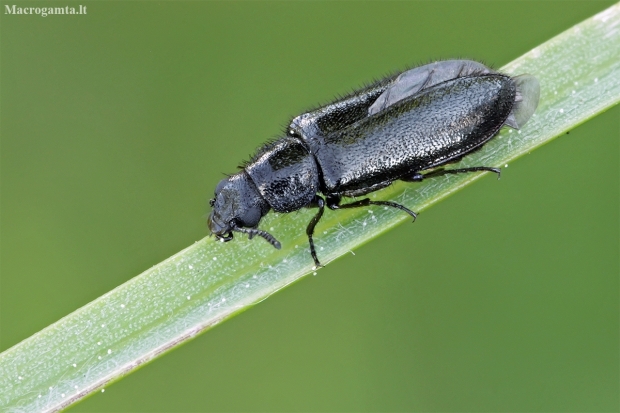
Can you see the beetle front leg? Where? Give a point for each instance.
(418, 177)
(319, 203)
(333, 202)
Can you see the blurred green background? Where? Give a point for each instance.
(116, 126)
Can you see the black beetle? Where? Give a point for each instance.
(396, 128)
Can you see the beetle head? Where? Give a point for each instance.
(238, 207)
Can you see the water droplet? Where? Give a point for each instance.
(561, 110)
(109, 351)
(122, 305)
(74, 365)
(214, 258)
(191, 267)
(102, 390)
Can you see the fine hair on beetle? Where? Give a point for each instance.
(404, 127)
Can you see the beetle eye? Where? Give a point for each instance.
(212, 201)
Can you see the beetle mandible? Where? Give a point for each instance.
(404, 127)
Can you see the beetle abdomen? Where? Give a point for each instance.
(285, 174)
(428, 129)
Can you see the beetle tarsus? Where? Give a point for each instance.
(333, 202)
(319, 203)
(403, 208)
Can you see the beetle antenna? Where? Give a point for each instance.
(255, 231)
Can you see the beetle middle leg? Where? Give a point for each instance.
(319, 203)
(418, 177)
(333, 202)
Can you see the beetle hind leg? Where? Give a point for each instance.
(418, 177)
(333, 202)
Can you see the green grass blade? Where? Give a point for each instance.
(208, 282)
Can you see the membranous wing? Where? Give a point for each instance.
(526, 101)
(418, 79)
